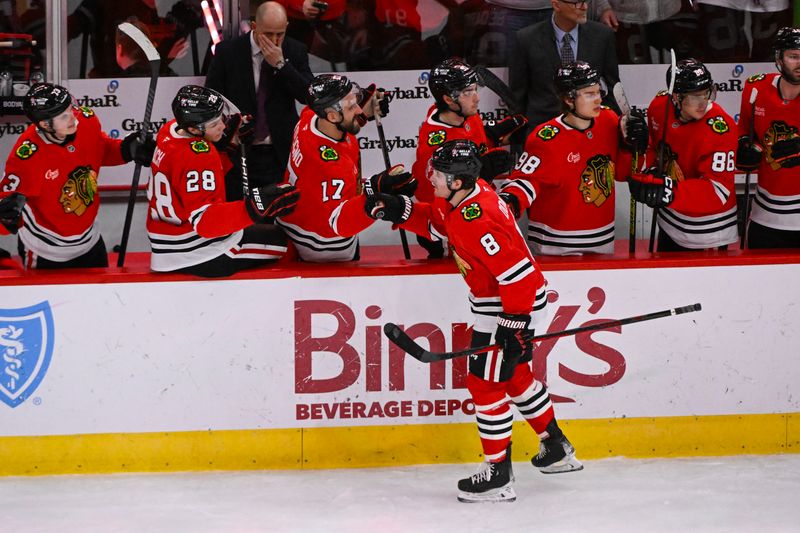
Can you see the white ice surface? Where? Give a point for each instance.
(742, 494)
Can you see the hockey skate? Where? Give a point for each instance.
(492, 483)
(556, 454)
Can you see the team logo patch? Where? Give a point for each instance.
(437, 137)
(26, 149)
(662, 92)
(87, 111)
(756, 77)
(79, 191)
(471, 212)
(199, 147)
(26, 346)
(328, 154)
(718, 124)
(463, 266)
(547, 132)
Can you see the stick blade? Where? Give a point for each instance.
(498, 87)
(622, 101)
(406, 343)
(141, 40)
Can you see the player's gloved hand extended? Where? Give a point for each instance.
(365, 96)
(266, 203)
(393, 181)
(132, 149)
(11, 211)
(748, 154)
(496, 162)
(510, 334)
(394, 209)
(499, 132)
(651, 189)
(240, 128)
(786, 152)
(634, 130)
(512, 202)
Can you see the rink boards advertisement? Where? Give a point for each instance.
(309, 352)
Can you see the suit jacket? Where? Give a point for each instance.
(532, 68)
(231, 73)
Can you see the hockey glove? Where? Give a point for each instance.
(512, 202)
(393, 181)
(266, 203)
(394, 209)
(496, 162)
(786, 152)
(365, 96)
(510, 335)
(134, 150)
(238, 127)
(11, 211)
(651, 189)
(748, 154)
(634, 131)
(499, 132)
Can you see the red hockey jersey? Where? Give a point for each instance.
(699, 156)
(60, 183)
(565, 180)
(777, 200)
(490, 252)
(330, 211)
(432, 133)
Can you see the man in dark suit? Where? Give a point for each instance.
(263, 72)
(541, 50)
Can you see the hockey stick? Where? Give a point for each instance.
(625, 108)
(498, 87)
(388, 163)
(407, 344)
(673, 74)
(155, 62)
(753, 96)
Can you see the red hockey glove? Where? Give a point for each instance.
(395, 209)
(496, 162)
(134, 150)
(510, 335)
(364, 98)
(634, 131)
(11, 211)
(651, 189)
(266, 203)
(748, 154)
(499, 132)
(393, 181)
(786, 152)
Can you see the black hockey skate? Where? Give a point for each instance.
(556, 454)
(492, 483)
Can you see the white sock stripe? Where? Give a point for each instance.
(494, 418)
(499, 436)
(495, 456)
(483, 408)
(538, 412)
(529, 393)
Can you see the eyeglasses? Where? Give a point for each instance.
(575, 4)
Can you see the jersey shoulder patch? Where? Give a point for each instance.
(26, 149)
(328, 153)
(662, 92)
(437, 137)
(718, 124)
(200, 147)
(548, 132)
(471, 211)
(87, 112)
(756, 77)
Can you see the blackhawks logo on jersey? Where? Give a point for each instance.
(26, 149)
(597, 180)
(463, 266)
(471, 212)
(327, 153)
(437, 137)
(777, 131)
(199, 147)
(87, 111)
(718, 125)
(547, 132)
(79, 191)
(756, 77)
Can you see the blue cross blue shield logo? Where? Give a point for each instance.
(26, 346)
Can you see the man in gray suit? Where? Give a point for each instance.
(542, 48)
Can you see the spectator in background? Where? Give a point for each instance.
(544, 47)
(131, 58)
(263, 73)
(321, 25)
(506, 18)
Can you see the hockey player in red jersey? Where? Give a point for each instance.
(775, 150)
(49, 189)
(565, 176)
(191, 227)
(454, 115)
(324, 165)
(695, 192)
(507, 297)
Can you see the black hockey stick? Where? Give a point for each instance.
(155, 62)
(498, 87)
(753, 96)
(407, 344)
(673, 74)
(625, 108)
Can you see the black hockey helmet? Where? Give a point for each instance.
(570, 78)
(691, 75)
(194, 105)
(459, 158)
(327, 90)
(449, 78)
(46, 101)
(787, 38)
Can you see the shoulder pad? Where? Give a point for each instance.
(437, 137)
(756, 77)
(328, 153)
(718, 124)
(547, 132)
(26, 149)
(200, 146)
(87, 112)
(471, 211)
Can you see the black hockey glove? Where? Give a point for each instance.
(393, 181)
(266, 203)
(496, 162)
(512, 202)
(748, 154)
(786, 152)
(240, 127)
(510, 335)
(634, 131)
(651, 189)
(134, 150)
(11, 211)
(499, 132)
(365, 96)
(394, 209)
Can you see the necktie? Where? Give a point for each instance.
(262, 128)
(567, 56)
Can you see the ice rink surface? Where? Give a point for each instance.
(742, 494)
